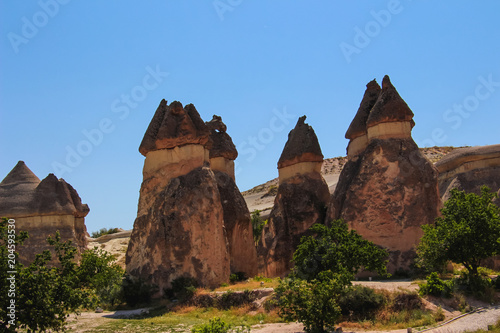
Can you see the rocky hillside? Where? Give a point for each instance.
(261, 197)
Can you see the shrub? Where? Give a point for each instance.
(313, 303)
(406, 301)
(257, 225)
(238, 277)
(436, 287)
(361, 302)
(217, 325)
(136, 291)
(104, 231)
(183, 288)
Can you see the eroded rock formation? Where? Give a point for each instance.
(388, 189)
(41, 208)
(300, 202)
(468, 169)
(239, 232)
(192, 219)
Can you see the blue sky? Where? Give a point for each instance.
(85, 77)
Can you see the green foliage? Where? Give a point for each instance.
(406, 301)
(313, 303)
(337, 249)
(257, 225)
(183, 288)
(361, 302)
(436, 287)
(99, 271)
(48, 294)
(104, 231)
(238, 277)
(136, 291)
(217, 325)
(467, 232)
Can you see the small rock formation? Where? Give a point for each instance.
(179, 229)
(388, 189)
(468, 169)
(239, 231)
(41, 208)
(300, 202)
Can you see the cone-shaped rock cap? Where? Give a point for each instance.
(17, 190)
(173, 126)
(56, 197)
(22, 194)
(358, 124)
(302, 146)
(390, 107)
(222, 144)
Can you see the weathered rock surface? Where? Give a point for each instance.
(182, 234)
(192, 220)
(300, 202)
(390, 189)
(468, 169)
(41, 208)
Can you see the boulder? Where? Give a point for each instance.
(42, 208)
(300, 202)
(389, 190)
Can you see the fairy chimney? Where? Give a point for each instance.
(388, 189)
(42, 208)
(300, 202)
(179, 229)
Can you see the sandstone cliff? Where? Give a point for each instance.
(387, 189)
(41, 208)
(300, 201)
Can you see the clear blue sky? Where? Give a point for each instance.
(73, 67)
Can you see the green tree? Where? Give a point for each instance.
(338, 249)
(99, 271)
(467, 232)
(46, 294)
(257, 225)
(313, 303)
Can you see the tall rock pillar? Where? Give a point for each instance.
(388, 189)
(300, 202)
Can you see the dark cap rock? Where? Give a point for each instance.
(358, 124)
(172, 126)
(222, 144)
(389, 107)
(302, 146)
(16, 191)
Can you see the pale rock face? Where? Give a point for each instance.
(468, 169)
(182, 234)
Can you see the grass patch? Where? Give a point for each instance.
(254, 283)
(183, 318)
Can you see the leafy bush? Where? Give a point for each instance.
(436, 287)
(361, 302)
(217, 325)
(183, 288)
(479, 287)
(238, 277)
(338, 249)
(104, 231)
(313, 303)
(136, 291)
